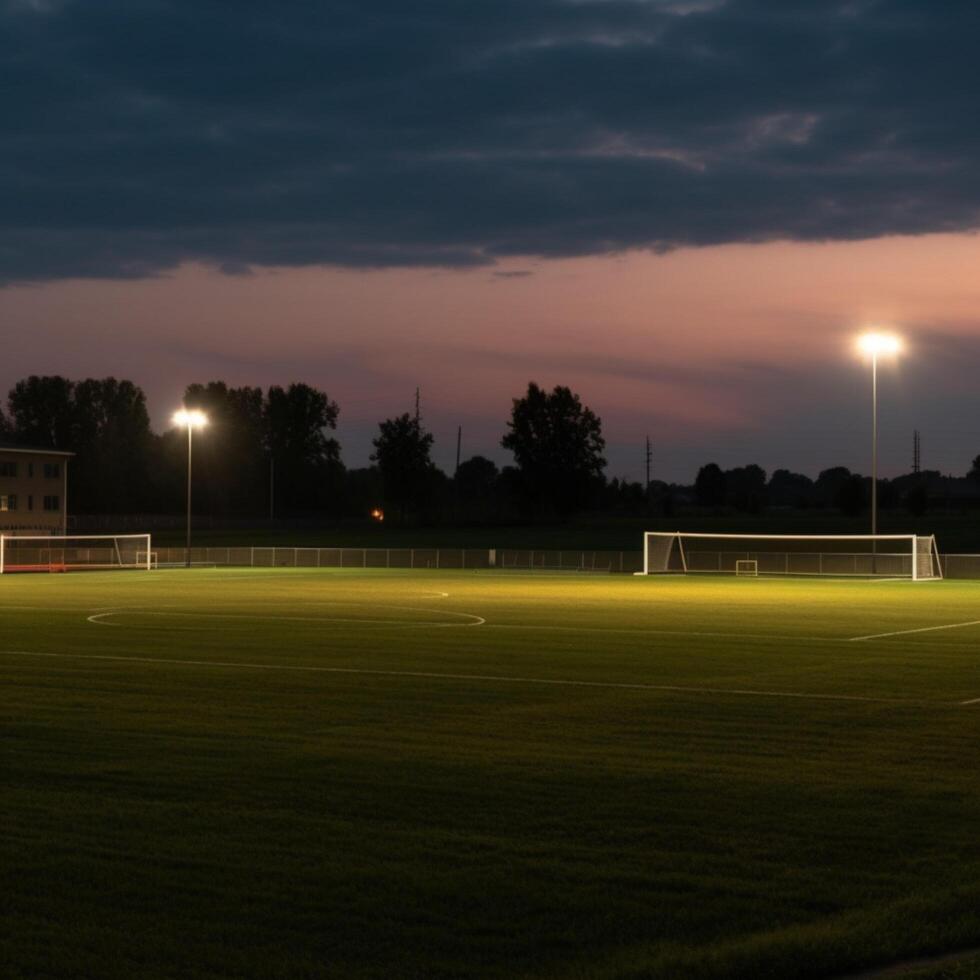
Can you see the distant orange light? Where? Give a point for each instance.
(378, 514)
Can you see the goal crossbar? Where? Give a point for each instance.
(74, 552)
(909, 556)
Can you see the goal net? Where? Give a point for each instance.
(68, 553)
(849, 555)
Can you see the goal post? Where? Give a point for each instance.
(71, 553)
(907, 556)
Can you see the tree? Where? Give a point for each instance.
(827, 489)
(476, 479)
(232, 458)
(852, 495)
(42, 413)
(788, 489)
(306, 457)
(104, 422)
(974, 473)
(557, 444)
(745, 488)
(402, 452)
(710, 486)
(113, 443)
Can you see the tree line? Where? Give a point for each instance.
(272, 452)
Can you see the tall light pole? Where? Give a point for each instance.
(876, 345)
(190, 419)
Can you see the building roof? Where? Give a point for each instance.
(34, 450)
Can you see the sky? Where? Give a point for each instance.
(683, 210)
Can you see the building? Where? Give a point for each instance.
(33, 490)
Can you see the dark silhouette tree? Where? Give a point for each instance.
(232, 457)
(113, 446)
(852, 495)
(745, 488)
(476, 479)
(788, 489)
(974, 473)
(827, 489)
(710, 486)
(402, 451)
(476, 486)
(557, 444)
(307, 459)
(42, 413)
(104, 422)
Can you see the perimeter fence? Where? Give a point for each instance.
(501, 558)
(527, 559)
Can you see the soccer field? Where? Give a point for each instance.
(326, 773)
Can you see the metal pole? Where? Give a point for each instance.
(190, 429)
(874, 444)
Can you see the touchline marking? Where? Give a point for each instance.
(921, 629)
(971, 701)
(101, 618)
(492, 678)
(655, 632)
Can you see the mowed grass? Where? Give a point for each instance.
(290, 773)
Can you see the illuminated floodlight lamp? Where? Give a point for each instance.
(878, 344)
(191, 418)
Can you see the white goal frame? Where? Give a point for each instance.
(75, 552)
(916, 556)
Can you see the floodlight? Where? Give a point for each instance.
(879, 343)
(192, 418)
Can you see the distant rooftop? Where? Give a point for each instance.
(9, 447)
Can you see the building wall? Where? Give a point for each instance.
(32, 492)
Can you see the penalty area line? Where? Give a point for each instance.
(486, 678)
(921, 629)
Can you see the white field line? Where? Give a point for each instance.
(656, 632)
(486, 678)
(971, 701)
(921, 629)
(100, 618)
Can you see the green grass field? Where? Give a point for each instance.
(292, 773)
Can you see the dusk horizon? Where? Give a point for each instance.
(370, 202)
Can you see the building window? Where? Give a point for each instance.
(8, 468)
(52, 471)
(52, 502)
(30, 470)
(8, 501)
(30, 501)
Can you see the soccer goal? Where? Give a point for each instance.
(908, 556)
(71, 553)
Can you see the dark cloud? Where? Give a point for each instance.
(140, 133)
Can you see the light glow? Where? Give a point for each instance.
(190, 418)
(879, 343)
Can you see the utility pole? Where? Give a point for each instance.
(418, 407)
(649, 457)
(459, 443)
(916, 452)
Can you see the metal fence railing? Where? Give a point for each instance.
(460, 558)
(955, 566)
